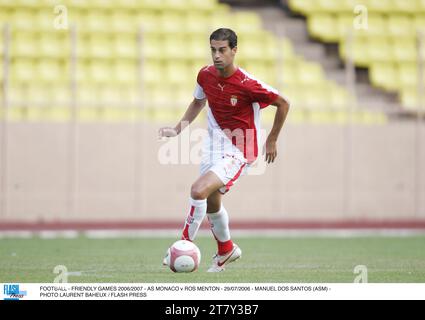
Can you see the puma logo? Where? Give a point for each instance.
(221, 86)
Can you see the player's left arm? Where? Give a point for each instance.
(282, 108)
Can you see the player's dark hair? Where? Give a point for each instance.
(224, 34)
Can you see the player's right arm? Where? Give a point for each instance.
(191, 113)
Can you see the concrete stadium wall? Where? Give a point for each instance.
(323, 172)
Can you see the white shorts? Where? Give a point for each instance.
(229, 168)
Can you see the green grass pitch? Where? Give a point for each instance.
(264, 259)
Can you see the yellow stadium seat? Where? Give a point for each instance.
(17, 95)
(171, 22)
(152, 46)
(53, 71)
(339, 97)
(303, 6)
(335, 6)
(421, 5)
(130, 95)
(195, 23)
(419, 22)
(410, 100)
(199, 47)
(22, 71)
(377, 25)
(323, 26)
(60, 95)
(408, 74)
(54, 44)
(263, 72)
(87, 96)
(207, 5)
(176, 73)
(23, 19)
(247, 22)
(219, 20)
(380, 50)
(315, 97)
(289, 74)
(174, 5)
(123, 21)
(403, 6)
(110, 96)
(152, 72)
(379, 6)
(101, 46)
(129, 5)
(126, 72)
(401, 25)
(264, 50)
(152, 4)
(24, 45)
(404, 49)
(344, 26)
(126, 46)
(310, 73)
(38, 95)
(384, 75)
(100, 71)
(287, 50)
(96, 21)
(174, 46)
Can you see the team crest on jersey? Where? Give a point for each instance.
(233, 100)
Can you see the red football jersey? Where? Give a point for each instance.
(235, 104)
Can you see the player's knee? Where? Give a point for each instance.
(198, 193)
(213, 206)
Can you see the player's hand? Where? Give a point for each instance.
(270, 150)
(167, 132)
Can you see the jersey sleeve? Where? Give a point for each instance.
(199, 93)
(262, 93)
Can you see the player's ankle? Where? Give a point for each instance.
(225, 247)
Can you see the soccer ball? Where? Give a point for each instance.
(183, 256)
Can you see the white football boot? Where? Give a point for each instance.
(166, 258)
(220, 261)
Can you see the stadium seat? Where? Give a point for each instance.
(54, 44)
(303, 6)
(171, 22)
(404, 49)
(22, 71)
(401, 26)
(384, 75)
(101, 46)
(114, 81)
(24, 45)
(126, 46)
(323, 26)
(409, 7)
(379, 6)
(410, 99)
(379, 50)
(124, 22)
(387, 46)
(408, 75)
(194, 23)
(125, 72)
(310, 73)
(247, 22)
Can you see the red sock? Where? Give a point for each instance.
(224, 247)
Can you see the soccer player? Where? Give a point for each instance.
(235, 99)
